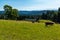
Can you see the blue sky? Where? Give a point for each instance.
(31, 4)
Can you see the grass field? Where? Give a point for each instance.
(24, 30)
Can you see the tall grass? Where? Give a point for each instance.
(23, 30)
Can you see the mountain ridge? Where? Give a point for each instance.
(34, 12)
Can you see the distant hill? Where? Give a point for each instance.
(1, 12)
(31, 12)
(24, 13)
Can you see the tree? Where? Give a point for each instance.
(43, 16)
(50, 14)
(58, 15)
(8, 10)
(15, 14)
(54, 17)
(10, 13)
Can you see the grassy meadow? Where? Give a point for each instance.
(24, 30)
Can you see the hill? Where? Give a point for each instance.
(25, 13)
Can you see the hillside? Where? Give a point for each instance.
(25, 13)
(24, 30)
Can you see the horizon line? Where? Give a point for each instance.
(34, 10)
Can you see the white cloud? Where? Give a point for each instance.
(34, 4)
(47, 4)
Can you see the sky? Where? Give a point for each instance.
(31, 4)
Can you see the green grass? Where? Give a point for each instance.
(24, 30)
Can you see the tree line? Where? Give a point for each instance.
(13, 14)
(52, 15)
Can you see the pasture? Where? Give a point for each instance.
(24, 30)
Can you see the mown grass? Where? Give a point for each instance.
(24, 30)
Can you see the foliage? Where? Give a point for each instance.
(14, 14)
(50, 15)
(8, 10)
(10, 13)
(58, 15)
